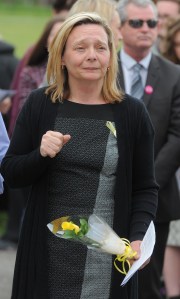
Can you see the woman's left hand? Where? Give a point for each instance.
(136, 247)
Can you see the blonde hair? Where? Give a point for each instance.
(104, 8)
(172, 28)
(57, 76)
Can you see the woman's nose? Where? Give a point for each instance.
(91, 54)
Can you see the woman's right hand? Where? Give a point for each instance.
(52, 143)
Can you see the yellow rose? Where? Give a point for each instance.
(70, 226)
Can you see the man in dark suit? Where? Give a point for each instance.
(160, 82)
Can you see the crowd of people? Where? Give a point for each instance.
(95, 61)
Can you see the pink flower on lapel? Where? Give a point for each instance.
(149, 89)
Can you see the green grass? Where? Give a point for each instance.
(22, 25)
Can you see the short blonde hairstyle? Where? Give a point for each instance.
(104, 8)
(57, 76)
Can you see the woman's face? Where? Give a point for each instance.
(115, 27)
(87, 55)
(177, 44)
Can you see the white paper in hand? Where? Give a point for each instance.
(146, 247)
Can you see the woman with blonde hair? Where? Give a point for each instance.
(172, 41)
(76, 165)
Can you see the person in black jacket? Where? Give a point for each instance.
(8, 63)
(160, 93)
(76, 165)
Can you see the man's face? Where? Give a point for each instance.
(138, 41)
(166, 9)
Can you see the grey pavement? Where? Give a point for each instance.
(7, 261)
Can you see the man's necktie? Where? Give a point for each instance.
(137, 85)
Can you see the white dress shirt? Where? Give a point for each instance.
(127, 65)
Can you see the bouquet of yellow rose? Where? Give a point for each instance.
(96, 234)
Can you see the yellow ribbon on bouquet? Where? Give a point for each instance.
(124, 258)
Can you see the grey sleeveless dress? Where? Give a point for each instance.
(81, 182)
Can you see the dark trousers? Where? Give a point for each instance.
(150, 276)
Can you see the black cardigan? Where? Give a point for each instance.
(135, 191)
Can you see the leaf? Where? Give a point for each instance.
(70, 234)
(84, 226)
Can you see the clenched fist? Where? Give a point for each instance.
(52, 142)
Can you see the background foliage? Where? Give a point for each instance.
(22, 24)
(26, 2)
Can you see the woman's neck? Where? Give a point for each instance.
(86, 93)
(83, 99)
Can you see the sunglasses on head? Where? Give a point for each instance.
(137, 23)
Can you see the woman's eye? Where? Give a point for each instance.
(102, 48)
(80, 48)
